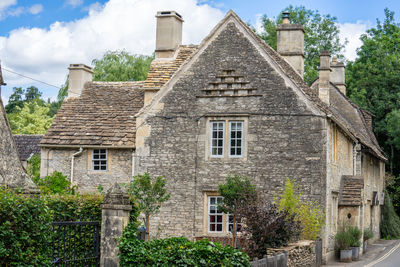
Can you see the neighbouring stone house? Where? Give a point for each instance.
(231, 105)
(27, 146)
(12, 173)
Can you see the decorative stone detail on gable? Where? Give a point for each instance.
(351, 190)
(229, 83)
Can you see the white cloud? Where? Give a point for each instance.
(74, 3)
(36, 9)
(352, 32)
(4, 5)
(45, 53)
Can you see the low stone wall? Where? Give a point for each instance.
(300, 254)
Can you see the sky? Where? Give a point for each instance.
(40, 38)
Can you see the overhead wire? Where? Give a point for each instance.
(58, 87)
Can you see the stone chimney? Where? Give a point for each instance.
(290, 43)
(168, 33)
(338, 75)
(79, 74)
(324, 76)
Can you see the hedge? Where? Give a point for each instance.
(177, 251)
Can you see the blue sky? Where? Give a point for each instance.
(40, 38)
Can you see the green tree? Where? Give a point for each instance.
(15, 100)
(149, 195)
(373, 83)
(32, 118)
(236, 192)
(121, 66)
(33, 168)
(32, 93)
(321, 33)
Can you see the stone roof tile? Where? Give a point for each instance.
(27, 145)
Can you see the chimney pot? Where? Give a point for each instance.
(285, 17)
(168, 33)
(338, 75)
(79, 74)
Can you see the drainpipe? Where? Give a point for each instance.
(72, 163)
(133, 163)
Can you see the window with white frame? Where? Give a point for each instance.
(215, 216)
(235, 138)
(227, 134)
(99, 159)
(219, 222)
(217, 138)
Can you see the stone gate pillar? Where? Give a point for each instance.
(115, 217)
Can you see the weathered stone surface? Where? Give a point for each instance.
(299, 254)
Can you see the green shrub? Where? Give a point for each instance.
(33, 168)
(390, 225)
(309, 214)
(25, 228)
(56, 183)
(343, 239)
(355, 234)
(368, 234)
(177, 251)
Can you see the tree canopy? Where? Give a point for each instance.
(121, 66)
(321, 33)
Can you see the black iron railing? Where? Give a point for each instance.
(76, 244)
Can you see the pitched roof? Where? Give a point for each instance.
(161, 70)
(102, 116)
(27, 145)
(353, 118)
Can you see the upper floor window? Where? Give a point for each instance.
(99, 159)
(233, 140)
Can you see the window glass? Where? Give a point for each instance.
(217, 139)
(235, 139)
(99, 159)
(215, 216)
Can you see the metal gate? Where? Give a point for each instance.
(76, 244)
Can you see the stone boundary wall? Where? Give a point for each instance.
(301, 253)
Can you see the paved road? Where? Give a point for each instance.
(390, 259)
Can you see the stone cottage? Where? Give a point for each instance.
(231, 105)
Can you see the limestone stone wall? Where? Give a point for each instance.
(119, 167)
(301, 253)
(284, 137)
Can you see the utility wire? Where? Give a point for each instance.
(58, 87)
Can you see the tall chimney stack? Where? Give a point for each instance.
(290, 43)
(324, 76)
(338, 75)
(79, 74)
(168, 34)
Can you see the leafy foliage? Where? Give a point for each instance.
(56, 183)
(121, 66)
(32, 118)
(177, 251)
(355, 234)
(237, 192)
(309, 214)
(267, 227)
(149, 195)
(33, 168)
(321, 33)
(390, 224)
(343, 239)
(25, 224)
(368, 234)
(372, 83)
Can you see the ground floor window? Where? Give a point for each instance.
(99, 159)
(217, 221)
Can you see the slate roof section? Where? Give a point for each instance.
(351, 191)
(27, 145)
(161, 70)
(356, 120)
(102, 116)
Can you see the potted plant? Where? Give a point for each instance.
(355, 243)
(368, 234)
(343, 240)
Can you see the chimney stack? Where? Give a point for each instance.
(324, 76)
(168, 33)
(338, 75)
(79, 74)
(290, 43)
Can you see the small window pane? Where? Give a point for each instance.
(99, 159)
